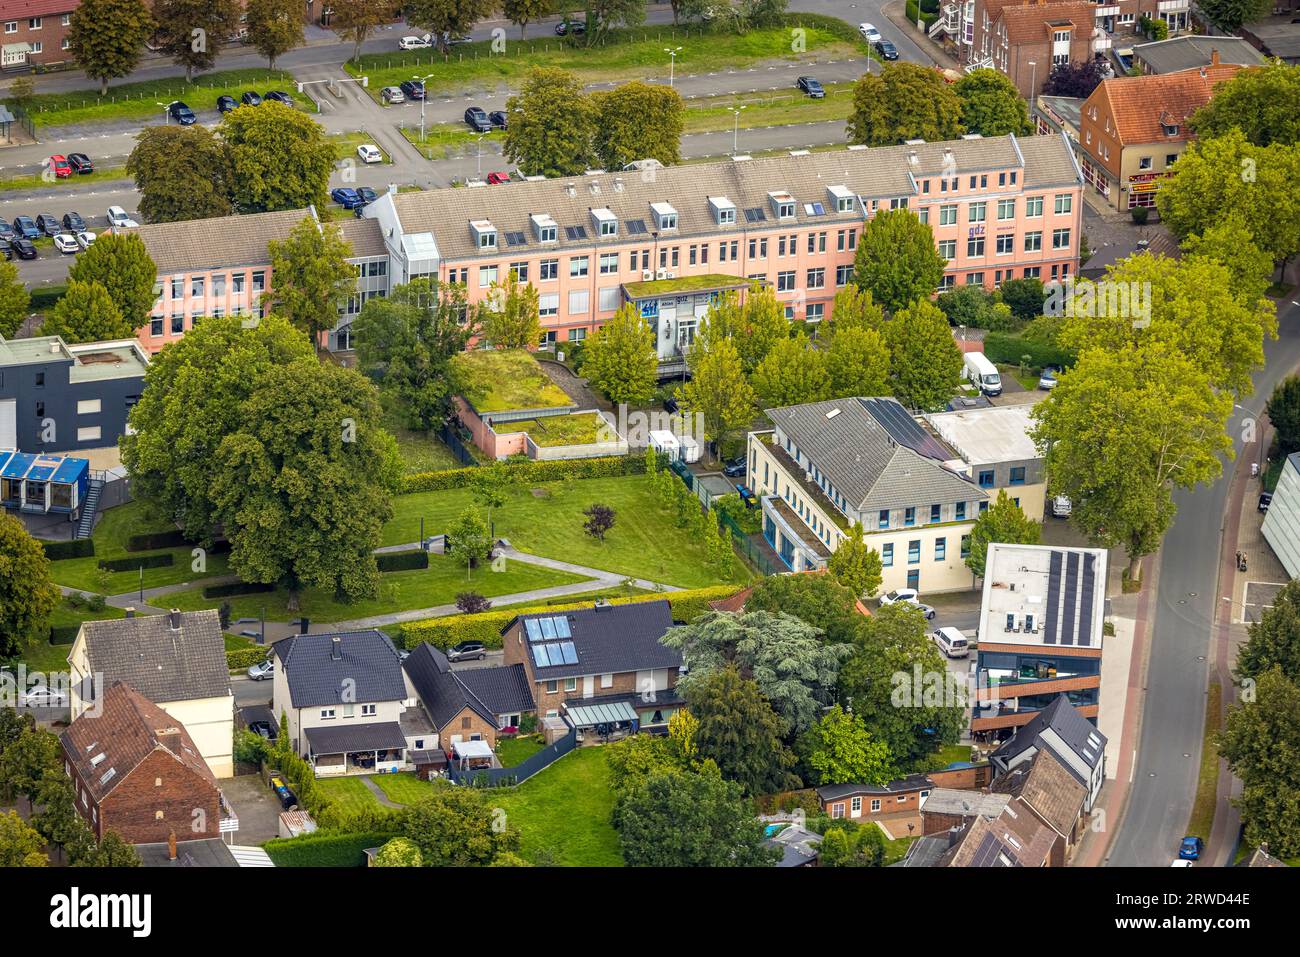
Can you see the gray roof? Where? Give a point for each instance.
(1189, 52)
(798, 846)
(503, 690)
(926, 851)
(211, 852)
(442, 691)
(860, 449)
(161, 664)
(876, 173)
(965, 803)
(1072, 727)
(352, 667)
(365, 236)
(378, 736)
(608, 639)
(913, 782)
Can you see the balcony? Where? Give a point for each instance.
(799, 476)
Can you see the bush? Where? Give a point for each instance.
(96, 603)
(237, 659)
(1140, 214)
(444, 632)
(402, 561)
(251, 748)
(472, 603)
(236, 588)
(78, 548)
(153, 540)
(1006, 348)
(529, 471)
(141, 561)
(64, 634)
(324, 850)
(927, 18)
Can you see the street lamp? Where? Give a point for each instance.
(1033, 79)
(479, 158)
(672, 63)
(165, 108)
(735, 131)
(423, 98)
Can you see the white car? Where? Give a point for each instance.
(1181, 863)
(118, 218)
(909, 595)
(85, 240)
(262, 670)
(66, 243)
(392, 94)
(39, 696)
(369, 153)
(415, 43)
(869, 33)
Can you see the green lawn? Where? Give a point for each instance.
(626, 54)
(442, 140)
(645, 542)
(948, 754)
(345, 145)
(399, 591)
(896, 850)
(348, 792)
(1201, 822)
(500, 380)
(711, 114)
(404, 788)
(554, 430)
(71, 184)
(517, 750)
(44, 656)
(419, 451)
(139, 101)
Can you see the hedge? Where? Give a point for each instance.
(926, 17)
(140, 561)
(237, 659)
(402, 561)
(324, 850)
(77, 548)
(1007, 348)
(64, 634)
(152, 540)
(486, 627)
(236, 588)
(529, 471)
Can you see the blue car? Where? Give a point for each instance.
(347, 197)
(25, 227)
(1190, 849)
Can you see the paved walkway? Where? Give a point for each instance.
(379, 794)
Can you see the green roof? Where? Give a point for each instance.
(505, 380)
(668, 287)
(556, 430)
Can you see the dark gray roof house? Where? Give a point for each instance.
(179, 656)
(356, 666)
(445, 693)
(604, 639)
(1071, 738)
(1190, 52)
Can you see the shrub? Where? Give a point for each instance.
(529, 471)
(251, 748)
(237, 588)
(237, 659)
(77, 548)
(1140, 214)
(472, 603)
(96, 603)
(1006, 348)
(153, 540)
(75, 600)
(324, 850)
(402, 561)
(140, 561)
(64, 634)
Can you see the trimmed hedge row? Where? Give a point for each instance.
(77, 548)
(323, 850)
(141, 561)
(236, 588)
(152, 540)
(1007, 348)
(237, 659)
(529, 471)
(402, 561)
(486, 627)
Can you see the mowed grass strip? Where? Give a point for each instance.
(713, 114)
(443, 140)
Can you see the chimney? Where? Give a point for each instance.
(336, 648)
(304, 624)
(174, 619)
(1214, 58)
(130, 613)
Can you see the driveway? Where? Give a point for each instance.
(256, 807)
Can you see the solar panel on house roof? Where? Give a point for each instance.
(548, 628)
(1053, 597)
(905, 430)
(1087, 593)
(1069, 595)
(533, 629)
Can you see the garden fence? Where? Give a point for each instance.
(509, 777)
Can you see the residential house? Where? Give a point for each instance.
(949, 808)
(1045, 788)
(1281, 528)
(602, 668)
(473, 704)
(1009, 840)
(1068, 736)
(827, 465)
(136, 770)
(903, 797)
(1041, 626)
(1192, 52)
(176, 660)
(56, 397)
(347, 703)
(997, 450)
(35, 33)
(1260, 857)
(1054, 115)
(1134, 128)
(797, 844)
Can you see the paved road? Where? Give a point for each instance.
(1165, 776)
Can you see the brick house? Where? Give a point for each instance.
(468, 705)
(35, 33)
(905, 796)
(1045, 788)
(1067, 734)
(599, 666)
(136, 770)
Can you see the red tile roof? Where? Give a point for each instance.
(23, 9)
(1137, 103)
(1031, 22)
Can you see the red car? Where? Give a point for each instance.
(494, 178)
(60, 166)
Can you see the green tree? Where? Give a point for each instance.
(1259, 101)
(523, 12)
(447, 19)
(857, 361)
(106, 38)
(20, 844)
(718, 390)
(637, 121)
(975, 308)
(302, 485)
(121, 264)
(897, 261)
(819, 600)
(1231, 244)
(1261, 743)
(28, 595)
(792, 373)
(1283, 410)
(740, 733)
(14, 300)
(1002, 522)
(552, 124)
(455, 827)
(606, 15)
(470, 539)
(491, 486)
(1122, 431)
(27, 762)
(510, 316)
(851, 846)
(854, 307)
(354, 20)
(274, 27)
(991, 105)
(1229, 15)
(279, 157)
(855, 564)
(754, 324)
(58, 821)
(86, 313)
(691, 820)
(904, 101)
(1274, 640)
(111, 851)
(1025, 297)
(924, 361)
(620, 359)
(182, 173)
(399, 852)
(194, 32)
(839, 749)
(312, 275)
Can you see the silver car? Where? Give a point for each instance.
(262, 670)
(392, 94)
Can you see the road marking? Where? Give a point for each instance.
(1133, 767)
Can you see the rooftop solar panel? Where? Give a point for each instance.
(568, 652)
(1053, 598)
(1069, 598)
(548, 628)
(904, 429)
(1087, 595)
(533, 628)
(562, 627)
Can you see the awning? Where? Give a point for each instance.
(588, 716)
(435, 759)
(383, 736)
(472, 749)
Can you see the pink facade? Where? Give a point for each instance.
(491, 444)
(184, 298)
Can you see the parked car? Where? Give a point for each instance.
(477, 120)
(49, 224)
(26, 227)
(1047, 378)
(467, 651)
(414, 43)
(414, 89)
(367, 195)
(369, 153)
(250, 99)
(1265, 499)
(85, 239)
(1179, 862)
(118, 218)
(811, 86)
(264, 728)
(392, 94)
(899, 594)
(39, 696)
(181, 113)
(869, 33)
(498, 119)
(66, 243)
(1062, 506)
(73, 223)
(279, 96)
(951, 642)
(734, 468)
(497, 178)
(80, 163)
(1190, 849)
(886, 50)
(6, 231)
(572, 27)
(346, 196)
(58, 164)
(226, 103)
(263, 670)
(23, 248)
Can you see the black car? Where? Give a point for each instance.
(226, 103)
(467, 651)
(48, 224)
(250, 99)
(812, 86)
(886, 50)
(414, 89)
(735, 468)
(263, 728)
(477, 120)
(73, 223)
(498, 119)
(280, 97)
(670, 405)
(181, 113)
(23, 248)
(80, 163)
(367, 194)
(574, 27)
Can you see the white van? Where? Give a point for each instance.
(951, 642)
(982, 373)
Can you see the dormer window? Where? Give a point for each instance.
(544, 228)
(724, 210)
(606, 222)
(485, 234)
(782, 205)
(842, 198)
(665, 216)
(1168, 125)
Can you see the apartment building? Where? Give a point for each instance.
(673, 240)
(35, 33)
(995, 449)
(1040, 634)
(1134, 128)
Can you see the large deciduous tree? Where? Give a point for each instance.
(28, 596)
(274, 27)
(194, 32)
(857, 362)
(1283, 411)
(86, 313)
(839, 749)
(718, 390)
(279, 158)
(21, 845)
(1076, 78)
(991, 105)
(754, 324)
(1261, 102)
(855, 564)
(107, 37)
(447, 19)
(14, 300)
(638, 121)
(904, 101)
(819, 600)
(1002, 522)
(1229, 15)
(312, 275)
(620, 359)
(552, 124)
(1274, 640)
(353, 20)
(924, 361)
(523, 12)
(182, 172)
(792, 373)
(456, 827)
(121, 264)
(855, 307)
(510, 315)
(897, 261)
(606, 15)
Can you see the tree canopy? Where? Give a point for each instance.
(904, 101)
(1003, 522)
(897, 261)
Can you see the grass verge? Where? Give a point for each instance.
(37, 180)
(1202, 820)
(713, 114)
(444, 140)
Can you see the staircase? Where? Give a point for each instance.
(86, 524)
